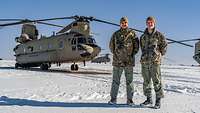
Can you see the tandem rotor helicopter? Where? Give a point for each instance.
(73, 43)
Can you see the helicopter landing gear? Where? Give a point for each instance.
(17, 66)
(74, 67)
(45, 66)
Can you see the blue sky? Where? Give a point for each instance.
(177, 19)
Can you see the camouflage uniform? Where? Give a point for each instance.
(153, 46)
(124, 44)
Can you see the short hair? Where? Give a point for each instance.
(151, 18)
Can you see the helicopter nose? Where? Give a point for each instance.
(90, 50)
(87, 50)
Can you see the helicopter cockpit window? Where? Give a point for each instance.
(73, 42)
(91, 41)
(81, 40)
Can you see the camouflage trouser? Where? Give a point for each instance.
(117, 72)
(152, 72)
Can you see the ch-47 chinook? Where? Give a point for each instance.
(102, 59)
(72, 44)
(197, 48)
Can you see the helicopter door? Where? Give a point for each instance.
(73, 43)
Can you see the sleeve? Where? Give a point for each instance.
(112, 43)
(135, 44)
(141, 42)
(162, 45)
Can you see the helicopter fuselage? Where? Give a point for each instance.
(62, 48)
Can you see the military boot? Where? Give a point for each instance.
(113, 101)
(157, 104)
(148, 101)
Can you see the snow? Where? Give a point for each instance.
(60, 90)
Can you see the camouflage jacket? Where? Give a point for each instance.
(153, 46)
(124, 44)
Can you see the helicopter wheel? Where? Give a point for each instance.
(44, 66)
(74, 67)
(17, 66)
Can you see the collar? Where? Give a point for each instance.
(146, 31)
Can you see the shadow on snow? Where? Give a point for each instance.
(6, 101)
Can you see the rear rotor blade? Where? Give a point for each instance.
(16, 23)
(11, 19)
(107, 22)
(21, 21)
(186, 40)
(45, 23)
(179, 42)
(61, 18)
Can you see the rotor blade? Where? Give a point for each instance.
(39, 20)
(16, 23)
(98, 20)
(179, 42)
(186, 40)
(11, 19)
(106, 22)
(45, 23)
(61, 18)
(66, 28)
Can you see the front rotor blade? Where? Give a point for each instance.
(98, 20)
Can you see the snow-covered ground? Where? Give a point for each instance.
(87, 91)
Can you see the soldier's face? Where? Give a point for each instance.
(150, 24)
(124, 24)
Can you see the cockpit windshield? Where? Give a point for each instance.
(81, 40)
(91, 41)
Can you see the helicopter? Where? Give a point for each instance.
(73, 43)
(101, 59)
(196, 55)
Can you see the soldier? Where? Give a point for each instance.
(153, 46)
(124, 44)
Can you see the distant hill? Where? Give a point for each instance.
(1, 59)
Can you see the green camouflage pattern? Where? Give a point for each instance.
(117, 72)
(124, 44)
(153, 47)
(152, 72)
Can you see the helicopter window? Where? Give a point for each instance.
(61, 44)
(81, 40)
(30, 48)
(74, 24)
(40, 47)
(91, 40)
(80, 47)
(50, 46)
(73, 42)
